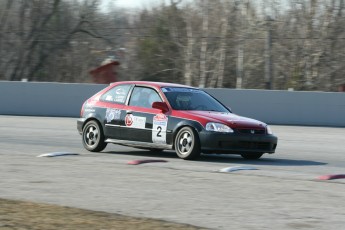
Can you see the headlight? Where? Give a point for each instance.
(217, 127)
(269, 130)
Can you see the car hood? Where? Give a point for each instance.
(230, 119)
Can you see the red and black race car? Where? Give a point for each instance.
(160, 116)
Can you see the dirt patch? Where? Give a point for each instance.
(29, 216)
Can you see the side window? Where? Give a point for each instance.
(144, 97)
(118, 94)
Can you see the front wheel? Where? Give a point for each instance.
(93, 137)
(187, 144)
(251, 156)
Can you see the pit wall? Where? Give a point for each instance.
(272, 107)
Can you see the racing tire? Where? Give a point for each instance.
(251, 156)
(187, 144)
(93, 137)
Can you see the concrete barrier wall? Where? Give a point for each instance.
(273, 107)
(44, 99)
(286, 107)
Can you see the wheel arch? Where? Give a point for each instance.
(93, 117)
(196, 126)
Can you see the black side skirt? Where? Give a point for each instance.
(139, 144)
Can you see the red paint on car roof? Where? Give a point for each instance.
(153, 83)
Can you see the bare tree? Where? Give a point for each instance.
(203, 51)
(218, 43)
(43, 30)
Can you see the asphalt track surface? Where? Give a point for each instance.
(284, 193)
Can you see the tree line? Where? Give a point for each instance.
(268, 44)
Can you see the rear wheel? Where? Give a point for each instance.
(187, 144)
(251, 156)
(93, 137)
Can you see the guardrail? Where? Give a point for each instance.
(272, 107)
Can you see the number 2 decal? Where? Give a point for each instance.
(159, 128)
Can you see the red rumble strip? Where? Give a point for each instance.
(138, 162)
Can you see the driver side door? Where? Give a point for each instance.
(140, 119)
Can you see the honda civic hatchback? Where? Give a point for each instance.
(164, 116)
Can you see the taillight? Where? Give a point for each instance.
(82, 109)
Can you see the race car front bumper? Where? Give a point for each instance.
(214, 142)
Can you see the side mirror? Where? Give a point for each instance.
(160, 105)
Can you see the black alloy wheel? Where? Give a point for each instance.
(93, 137)
(187, 144)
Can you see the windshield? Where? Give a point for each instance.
(192, 99)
